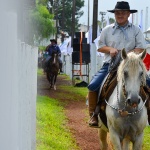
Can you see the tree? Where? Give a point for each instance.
(64, 14)
(46, 12)
(111, 20)
(42, 23)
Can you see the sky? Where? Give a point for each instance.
(104, 5)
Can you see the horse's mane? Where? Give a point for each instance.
(132, 63)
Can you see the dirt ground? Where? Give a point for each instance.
(76, 112)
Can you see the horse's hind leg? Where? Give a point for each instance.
(103, 139)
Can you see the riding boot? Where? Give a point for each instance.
(92, 100)
(60, 67)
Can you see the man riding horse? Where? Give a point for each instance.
(53, 48)
(114, 37)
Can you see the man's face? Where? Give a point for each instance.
(121, 17)
(53, 43)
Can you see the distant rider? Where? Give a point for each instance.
(53, 47)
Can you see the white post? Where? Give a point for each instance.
(93, 52)
(146, 19)
(68, 60)
(137, 19)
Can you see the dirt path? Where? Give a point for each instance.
(76, 112)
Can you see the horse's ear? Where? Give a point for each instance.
(123, 54)
(143, 54)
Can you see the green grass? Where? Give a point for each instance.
(82, 91)
(39, 72)
(146, 142)
(52, 132)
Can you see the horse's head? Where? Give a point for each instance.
(131, 76)
(54, 58)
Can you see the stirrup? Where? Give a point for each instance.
(92, 125)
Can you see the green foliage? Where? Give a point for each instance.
(42, 48)
(42, 18)
(111, 20)
(68, 14)
(42, 24)
(42, 2)
(52, 133)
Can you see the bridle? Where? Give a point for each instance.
(122, 111)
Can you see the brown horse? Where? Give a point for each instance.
(52, 70)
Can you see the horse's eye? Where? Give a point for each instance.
(141, 74)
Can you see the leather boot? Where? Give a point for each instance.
(92, 99)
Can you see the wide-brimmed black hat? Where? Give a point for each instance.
(53, 40)
(122, 5)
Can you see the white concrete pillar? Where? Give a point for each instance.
(68, 63)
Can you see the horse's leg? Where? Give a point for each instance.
(47, 76)
(126, 144)
(114, 137)
(52, 77)
(55, 77)
(103, 139)
(137, 145)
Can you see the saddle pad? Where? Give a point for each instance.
(108, 86)
(106, 90)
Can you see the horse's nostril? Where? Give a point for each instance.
(128, 100)
(139, 100)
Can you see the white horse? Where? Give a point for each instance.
(126, 112)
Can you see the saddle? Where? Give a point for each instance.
(108, 87)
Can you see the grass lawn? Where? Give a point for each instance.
(52, 132)
(146, 143)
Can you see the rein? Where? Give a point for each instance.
(123, 112)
